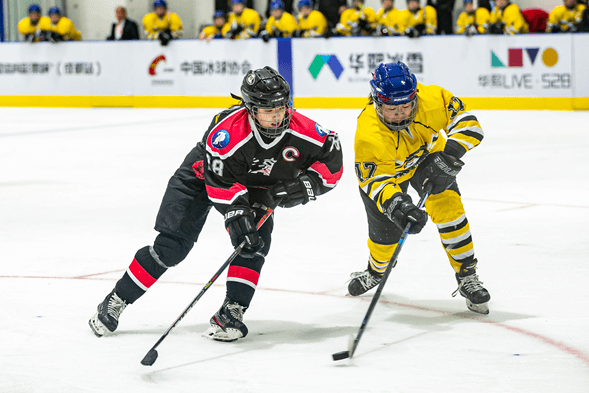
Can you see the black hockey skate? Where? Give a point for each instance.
(107, 314)
(362, 282)
(469, 286)
(227, 323)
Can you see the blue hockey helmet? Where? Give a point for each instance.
(266, 89)
(54, 10)
(277, 5)
(468, 1)
(233, 2)
(160, 3)
(305, 3)
(219, 14)
(34, 8)
(394, 85)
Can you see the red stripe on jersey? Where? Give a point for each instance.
(305, 126)
(141, 274)
(235, 127)
(225, 195)
(244, 273)
(329, 179)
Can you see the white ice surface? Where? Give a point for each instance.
(79, 191)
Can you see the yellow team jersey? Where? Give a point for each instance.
(512, 19)
(384, 159)
(314, 25)
(564, 18)
(25, 27)
(390, 19)
(411, 19)
(153, 24)
(212, 31)
(283, 27)
(249, 20)
(479, 19)
(66, 29)
(349, 21)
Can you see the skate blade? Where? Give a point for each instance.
(218, 334)
(97, 327)
(482, 308)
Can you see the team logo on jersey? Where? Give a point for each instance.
(290, 153)
(320, 130)
(265, 166)
(220, 139)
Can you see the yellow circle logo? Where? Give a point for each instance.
(550, 57)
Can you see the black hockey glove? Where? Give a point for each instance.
(265, 36)
(30, 38)
(496, 28)
(295, 192)
(165, 37)
(439, 170)
(401, 210)
(239, 221)
(54, 37)
(236, 29)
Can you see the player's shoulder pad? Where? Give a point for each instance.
(307, 129)
(230, 133)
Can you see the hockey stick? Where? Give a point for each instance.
(353, 343)
(151, 356)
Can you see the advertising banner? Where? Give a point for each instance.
(482, 66)
(184, 68)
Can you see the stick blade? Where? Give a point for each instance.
(340, 355)
(150, 358)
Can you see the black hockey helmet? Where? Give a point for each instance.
(265, 88)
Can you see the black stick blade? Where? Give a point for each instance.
(150, 358)
(341, 355)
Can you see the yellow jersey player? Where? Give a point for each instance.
(472, 21)
(214, 31)
(414, 134)
(34, 26)
(312, 23)
(162, 24)
(417, 21)
(358, 20)
(565, 18)
(388, 19)
(243, 22)
(507, 18)
(281, 24)
(61, 28)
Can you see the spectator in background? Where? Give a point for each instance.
(444, 10)
(123, 28)
(214, 31)
(332, 10)
(34, 26)
(472, 21)
(280, 24)
(584, 25)
(61, 28)
(243, 22)
(357, 20)
(507, 18)
(417, 21)
(312, 23)
(388, 18)
(162, 24)
(287, 8)
(565, 18)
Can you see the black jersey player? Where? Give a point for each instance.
(252, 155)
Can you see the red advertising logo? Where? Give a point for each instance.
(154, 64)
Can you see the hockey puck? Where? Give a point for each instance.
(150, 358)
(341, 355)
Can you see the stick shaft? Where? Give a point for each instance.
(383, 280)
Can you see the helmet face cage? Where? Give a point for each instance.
(266, 95)
(394, 86)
